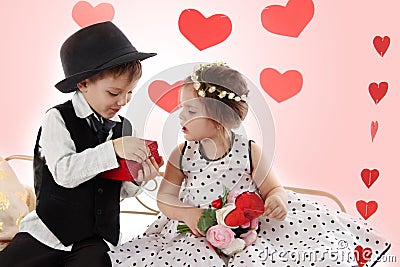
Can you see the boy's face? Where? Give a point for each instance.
(108, 95)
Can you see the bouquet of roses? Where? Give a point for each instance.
(232, 223)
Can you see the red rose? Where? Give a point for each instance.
(217, 203)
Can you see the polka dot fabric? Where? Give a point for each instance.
(311, 235)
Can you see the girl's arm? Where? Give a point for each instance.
(168, 195)
(268, 185)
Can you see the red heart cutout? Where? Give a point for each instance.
(289, 20)
(381, 44)
(362, 255)
(84, 14)
(204, 32)
(281, 86)
(366, 209)
(249, 205)
(164, 95)
(374, 129)
(369, 176)
(377, 92)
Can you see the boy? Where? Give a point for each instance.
(77, 210)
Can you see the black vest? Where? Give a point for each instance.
(90, 209)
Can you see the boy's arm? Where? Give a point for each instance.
(69, 168)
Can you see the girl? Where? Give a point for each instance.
(293, 231)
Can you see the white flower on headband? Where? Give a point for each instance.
(196, 85)
(211, 88)
(222, 94)
(202, 93)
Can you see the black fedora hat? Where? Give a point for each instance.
(93, 49)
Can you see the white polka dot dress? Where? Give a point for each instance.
(311, 235)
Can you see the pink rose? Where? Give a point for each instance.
(220, 236)
(249, 237)
(254, 224)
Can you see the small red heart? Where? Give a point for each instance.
(164, 95)
(84, 14)
(204, 32)
(249, 205)
(374, 129)
(381, 44)
(377, 92)
(366, 209)
(281, 86)
(362, 255)
(369, 176)
(289, 20)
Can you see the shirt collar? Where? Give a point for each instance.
(82, 108)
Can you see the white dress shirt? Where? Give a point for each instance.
(69, 168)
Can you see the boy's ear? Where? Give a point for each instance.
(82, 86)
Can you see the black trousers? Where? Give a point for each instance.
(26, 251)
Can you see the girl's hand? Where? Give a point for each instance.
(275, 207)
(191, 219)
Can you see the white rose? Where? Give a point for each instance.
(237, 246)
(221, 213)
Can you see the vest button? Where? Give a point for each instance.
(99, 212)
(100, 191)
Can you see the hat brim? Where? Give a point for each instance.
(69, 83)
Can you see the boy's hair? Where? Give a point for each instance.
(227, 112)
(132, 69)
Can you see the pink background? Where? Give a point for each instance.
(323, 136)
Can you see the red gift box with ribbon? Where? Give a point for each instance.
(128, 169)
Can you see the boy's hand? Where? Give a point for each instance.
(149, 170)
(275, 207)
(131, 148)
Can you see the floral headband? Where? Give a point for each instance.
(211, 88)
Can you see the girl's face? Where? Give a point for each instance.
(108, 95)
(196, 124)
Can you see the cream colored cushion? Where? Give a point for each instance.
(16, 200)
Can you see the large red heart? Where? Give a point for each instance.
(366, 209)
(381, 44)
(249, 205)
(289, 20)
(369, 176)
(281, 86)
(362, 255)
(204, 32)
(377, 92)
(164, 95)
(84, 14)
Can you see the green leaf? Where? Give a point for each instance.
(183, 229)
(207, 220)
(225, 196)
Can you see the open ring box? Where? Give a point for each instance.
(128, 169)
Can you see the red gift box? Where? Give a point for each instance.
(128, 169)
